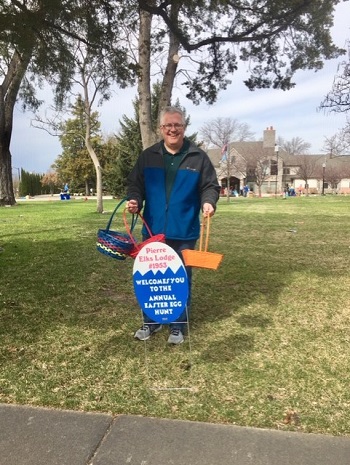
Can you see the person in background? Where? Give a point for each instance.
(173, 180)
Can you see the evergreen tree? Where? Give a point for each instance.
(31, 184)
(128, 146)
(74, 165)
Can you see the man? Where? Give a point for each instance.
(176, 180)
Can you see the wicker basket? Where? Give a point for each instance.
(115, 244)
(137, 246)
(201, 258)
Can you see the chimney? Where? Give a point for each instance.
(269, 139)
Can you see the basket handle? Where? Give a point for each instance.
(205, 225)
(134, 218)
(129, 229)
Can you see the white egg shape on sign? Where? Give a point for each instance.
(160, 282)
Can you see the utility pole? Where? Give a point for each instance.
(276, 151)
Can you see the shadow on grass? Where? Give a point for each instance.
(225, 294)
(254, 321)
(68, 282)
(64, 282)
(228, 349)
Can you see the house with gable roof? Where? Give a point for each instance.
(268, 170)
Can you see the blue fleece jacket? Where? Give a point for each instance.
(195, 183)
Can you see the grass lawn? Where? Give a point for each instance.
(269, 338)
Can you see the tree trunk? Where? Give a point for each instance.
(228, 178)
(307, 188)
(98, 170)
(8, 95)
(172, 63)
(90, 148)
(148, 136)
(7, 196)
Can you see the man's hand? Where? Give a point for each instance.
(132, 206)
(208, 209)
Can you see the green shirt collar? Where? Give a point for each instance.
(182, 151)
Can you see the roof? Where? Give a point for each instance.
(242, 148)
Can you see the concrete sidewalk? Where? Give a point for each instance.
(35, 436)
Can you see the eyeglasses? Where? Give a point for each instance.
(171, 126)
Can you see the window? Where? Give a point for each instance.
(273, 168)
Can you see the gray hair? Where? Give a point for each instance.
(172, 111)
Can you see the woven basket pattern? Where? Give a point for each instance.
(115, 244)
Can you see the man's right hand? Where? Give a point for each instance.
(132, 206)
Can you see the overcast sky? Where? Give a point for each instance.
(292, 113)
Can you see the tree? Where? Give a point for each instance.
(37, 46)
(338, 99)
(129, 146)
(95, 76)
(74, 165)
(227, 168)
(95, 73)
(339, 144)
(219, 36)
(276, 38)
(261, 30)
(112, 179)
(307, 169)
(20, 41)
(220, 133)
(254, 162)
(51, 180)
(261, 170)
(30, 184)
(296, 146)
(333, 175)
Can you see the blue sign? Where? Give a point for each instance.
(160, 282)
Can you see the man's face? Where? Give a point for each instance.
(174, 134)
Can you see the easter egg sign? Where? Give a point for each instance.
(160, 282)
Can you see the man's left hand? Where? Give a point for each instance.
(208, 209)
